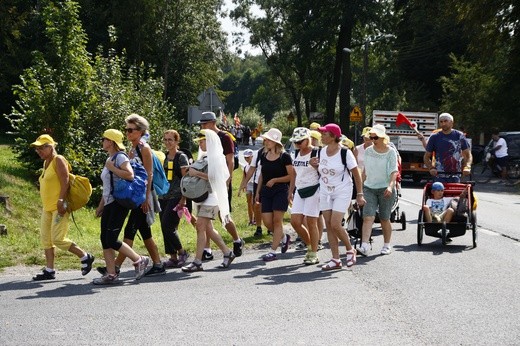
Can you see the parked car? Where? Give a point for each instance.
(513, 150)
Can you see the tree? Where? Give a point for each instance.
(74, 99)
(181, 40)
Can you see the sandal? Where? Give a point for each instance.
(351, 257)
(227, 260)
(332, 265)
(192, 267)
(86, 264)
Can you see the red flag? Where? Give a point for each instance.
(402, 119)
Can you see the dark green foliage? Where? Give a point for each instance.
(75, 98)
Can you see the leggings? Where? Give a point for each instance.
(112, 221)
(137, 222)
(169, 224)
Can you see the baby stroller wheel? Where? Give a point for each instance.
(403, 221)
(474, 228)
(420, 229)
(444, 234)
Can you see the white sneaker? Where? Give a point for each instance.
(386, 250)
(363, 250)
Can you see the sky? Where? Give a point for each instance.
(229, 27)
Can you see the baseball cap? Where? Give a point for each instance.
(248, 153)
(437, 186)
(42, 140)
(116, 136)
(332, 128)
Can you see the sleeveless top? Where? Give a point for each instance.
(50, 185)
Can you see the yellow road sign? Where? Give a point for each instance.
(356, 114)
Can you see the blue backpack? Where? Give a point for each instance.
(130, 194)
(160, 182)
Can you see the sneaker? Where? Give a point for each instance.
(320, 246)
(45, 275)
(86, 265)
(140, 267)
(156, 270)
(311, 258)
(171, 263)
(207, 256)
(269, 257)
(103, 270)
(183, 258)
(107, 280)
(192, 267)
(258, 232)
(363, 250)
(238, 247)
(285, 244)
(386, 250)
(269, 232)
(301, 246)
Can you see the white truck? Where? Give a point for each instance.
(405, 139)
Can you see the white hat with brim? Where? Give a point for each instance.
(379, 130)
(274, 135)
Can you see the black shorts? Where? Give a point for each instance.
(274, 198)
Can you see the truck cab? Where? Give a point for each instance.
(405, 139)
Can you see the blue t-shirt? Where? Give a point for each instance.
(448, 150)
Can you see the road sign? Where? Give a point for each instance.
(210, 101)
(356, 115)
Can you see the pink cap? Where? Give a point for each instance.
(332, 128)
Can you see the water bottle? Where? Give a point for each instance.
(58, 217)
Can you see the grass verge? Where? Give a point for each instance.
(21, 245)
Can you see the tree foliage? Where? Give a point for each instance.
(74, 98)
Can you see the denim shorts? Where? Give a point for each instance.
(376, 202)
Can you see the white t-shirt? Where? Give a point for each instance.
(438, 206)
(333, 174)
(503, 149)
(256, 176)
(306, 175)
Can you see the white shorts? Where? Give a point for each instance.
(309, 206)
(337, 201)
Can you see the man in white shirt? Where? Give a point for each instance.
(500, 152)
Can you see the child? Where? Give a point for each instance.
(248, 156)
(437, 209)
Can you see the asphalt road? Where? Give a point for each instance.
(433, 294)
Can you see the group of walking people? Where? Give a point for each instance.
(320, 183)
(215, 146)
(328, 174)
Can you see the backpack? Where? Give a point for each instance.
(195, 188)
(79, 192)
(130, 194)
(160, 182)
(176, 167)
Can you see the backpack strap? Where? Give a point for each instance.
(112, 173)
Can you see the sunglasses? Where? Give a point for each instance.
(299, 142)
(373, 138)
(130, 130)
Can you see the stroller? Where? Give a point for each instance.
(354, 222)
(464, 218)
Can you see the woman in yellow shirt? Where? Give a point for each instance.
(54, 185)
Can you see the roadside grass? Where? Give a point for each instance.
(21, 245)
